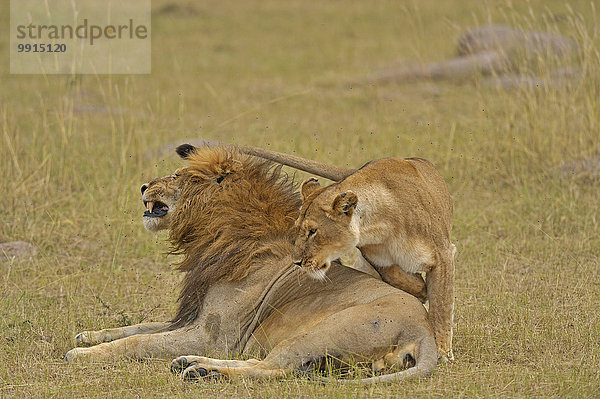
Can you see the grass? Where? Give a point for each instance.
(274, 75)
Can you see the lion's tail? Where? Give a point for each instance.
(425, 364)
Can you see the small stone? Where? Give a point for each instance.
(17, 250)
(581, 168)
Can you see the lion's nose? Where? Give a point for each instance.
(144, 188)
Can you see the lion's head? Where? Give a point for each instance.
(223, 211)
(325, 228)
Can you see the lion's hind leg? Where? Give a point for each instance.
(285, 358)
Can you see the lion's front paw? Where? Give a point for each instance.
(193, 368)
(178, 365)
(82, 339)
(197, 371)
(73, 355)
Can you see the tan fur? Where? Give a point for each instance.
(233, 223)
(397, 212)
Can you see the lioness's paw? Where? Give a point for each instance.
(445, 356)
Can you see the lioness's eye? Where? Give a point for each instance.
(312, 232)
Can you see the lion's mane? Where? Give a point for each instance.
(233, 210)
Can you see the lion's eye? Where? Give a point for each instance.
(312, 232)
(220, 179)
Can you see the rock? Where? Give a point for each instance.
(493, 50)
(17, 250)
(587, 168)
(82, 108)
(507, 40)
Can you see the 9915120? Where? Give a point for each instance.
(41, 48)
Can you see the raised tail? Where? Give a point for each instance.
(426, 362)
(327, 171)
(331, 172)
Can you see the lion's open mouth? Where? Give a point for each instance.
(155, 209)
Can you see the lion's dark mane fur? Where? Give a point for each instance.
(233, 210)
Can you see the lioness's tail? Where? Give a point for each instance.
(327, 171)
(425, 364)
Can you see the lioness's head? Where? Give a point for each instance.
(160, 197)
(325, 229)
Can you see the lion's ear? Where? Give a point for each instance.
(185, 150)
(309, 186)
(345, 203)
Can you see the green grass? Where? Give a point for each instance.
(274, 74)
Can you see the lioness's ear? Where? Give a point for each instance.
(345, 203)
(185, 150)
(309, 186)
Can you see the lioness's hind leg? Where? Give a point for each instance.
(440, 290)
(89, 338)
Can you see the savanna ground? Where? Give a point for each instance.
(273, 74)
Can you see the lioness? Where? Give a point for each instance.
(397, 212)
(231, 216)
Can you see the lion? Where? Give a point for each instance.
(231, 217)
(396, 212)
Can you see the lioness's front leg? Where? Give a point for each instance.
(407, 282)
(394, 276)
(440, 290)
(364, 266)
(89, 338)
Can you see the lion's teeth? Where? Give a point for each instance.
(150, 205)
